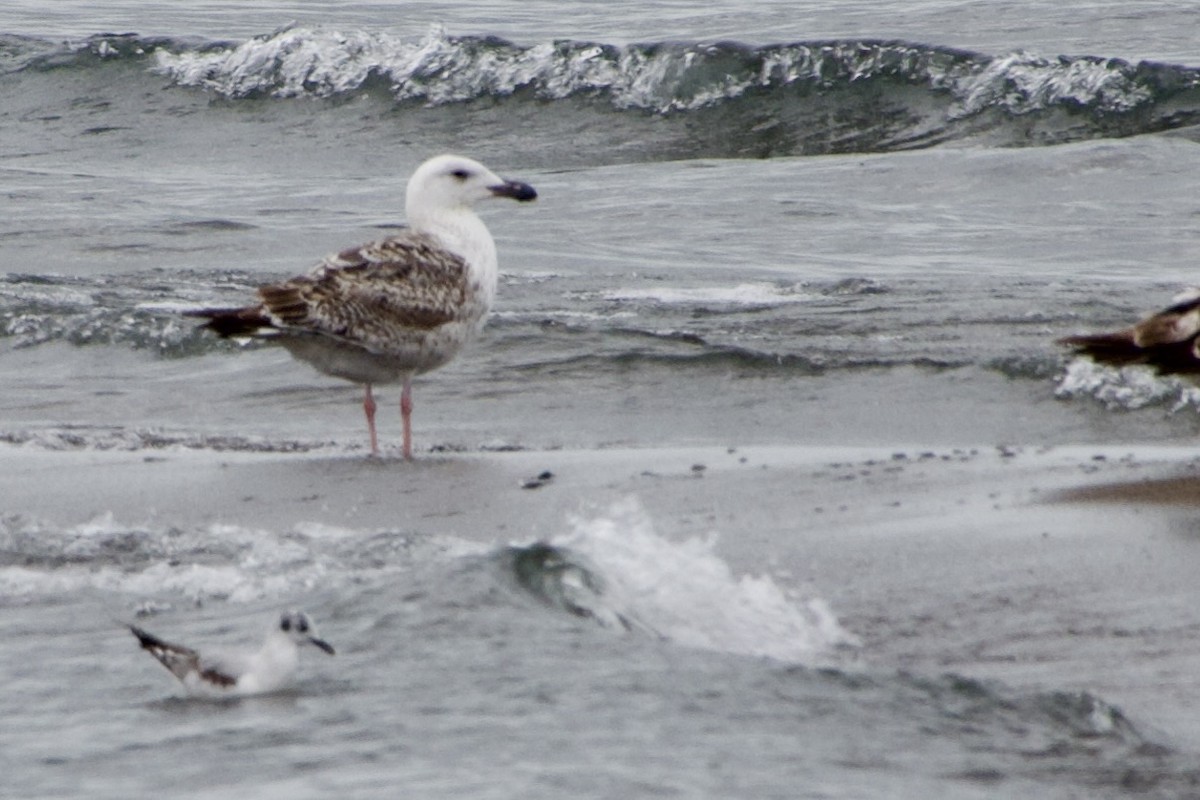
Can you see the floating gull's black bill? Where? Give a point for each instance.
(322, 644)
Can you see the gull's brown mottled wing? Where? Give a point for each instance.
(371, 295)
(368, 294)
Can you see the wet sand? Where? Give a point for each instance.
(483, 493)
(1177, 490)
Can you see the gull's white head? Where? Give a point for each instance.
(447, 182)
(295, 626)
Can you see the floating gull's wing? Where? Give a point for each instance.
(183, 661)
(220, 672)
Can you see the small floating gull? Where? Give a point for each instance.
(386, 311)
(238, 673)
(1167, 341)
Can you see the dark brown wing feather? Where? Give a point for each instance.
(177, 658)
(364, 294)
(1166, 341)
(180, 660)
(233, 321)
(404, 281)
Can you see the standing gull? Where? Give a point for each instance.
(1168, 341)
(386, 311)
(229, 673)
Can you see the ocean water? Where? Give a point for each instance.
(760, 223)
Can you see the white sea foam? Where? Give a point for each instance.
(194, 583)
(1125, 388)
(439, 68)
(744, 294)
(219, 562)
(1023, 82)
(686, 593)
(127, 439)
(566, 315)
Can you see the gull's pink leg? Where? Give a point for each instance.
(369, 408)
(406, 406)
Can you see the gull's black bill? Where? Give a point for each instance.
(322, 644)
(516, 190)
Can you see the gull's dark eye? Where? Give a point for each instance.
(302, 625)
(285, 624)
(461, 174)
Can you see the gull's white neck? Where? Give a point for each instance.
(463, 232)
(274, 664)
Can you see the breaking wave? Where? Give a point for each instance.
(660, 77)
(753, 100)
(615, 569)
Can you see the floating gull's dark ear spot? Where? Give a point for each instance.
(285, 623)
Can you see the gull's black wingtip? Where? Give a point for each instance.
(231, 322)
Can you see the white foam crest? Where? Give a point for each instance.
(686, 593)
(132, 440)
(1023, 83)
(219, 563)
(441, 69)
(567, 315)
(21, 583)
(289, 63)
(744, 294)
(1126, 388)
(196, 583)
(438, 68)
(104, 524)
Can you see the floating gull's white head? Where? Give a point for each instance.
(296, 626)
(238, 673)
(454, 183)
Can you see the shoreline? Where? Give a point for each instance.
(356, 490)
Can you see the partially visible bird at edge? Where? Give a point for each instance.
(1167, 341)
